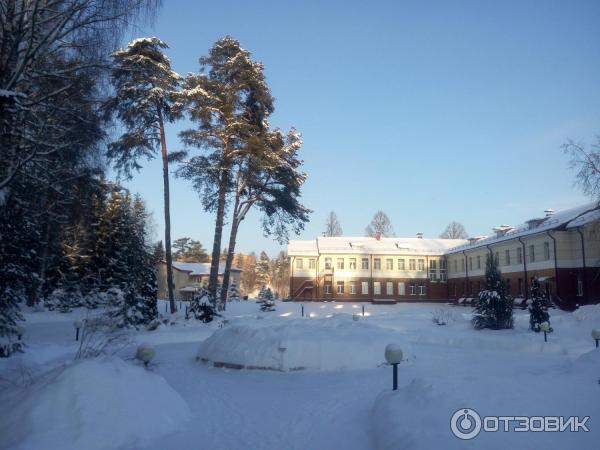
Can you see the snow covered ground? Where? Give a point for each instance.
(341, 397)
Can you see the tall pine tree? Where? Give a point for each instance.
(145, 88)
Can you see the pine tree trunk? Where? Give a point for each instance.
(230, 254)
(168, 257)
(216, 251)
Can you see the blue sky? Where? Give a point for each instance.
(431, 111)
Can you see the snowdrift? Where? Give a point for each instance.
(94, 404)
(333, 343)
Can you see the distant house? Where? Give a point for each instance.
(189, 277)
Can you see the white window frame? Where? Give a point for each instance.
(389, 264)
(519, 255)
(412, 264)
(478, 262)
(327, 288)
(421, 289)
(352, 263)
(546, 251)
(328, 263)
(299, 263)
(365, 288)
(401, 265)
(532, 253)
(376, 288)
(507, 257)
(312, 263)
(389, 288)
(376, 263)
(421, 265)
(352, 287)
(401, 288)
(364, 263)
(579, 285)
(412, 289)
(340, 284)
(339, 263)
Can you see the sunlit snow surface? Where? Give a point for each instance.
(341, 397)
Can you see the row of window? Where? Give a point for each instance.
(507, 261)
(413, 288)
(413, 264)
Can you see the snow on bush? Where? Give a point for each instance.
(94, 404)
(331, 343)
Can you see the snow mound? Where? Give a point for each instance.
(589, 314)
(413, 417)
(94, 404)
(333, 343)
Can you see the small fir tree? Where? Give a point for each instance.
(494, 307)
(201, 306)
(234, 295)
(538, 307)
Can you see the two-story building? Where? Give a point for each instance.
(561, 249)
(190, 277)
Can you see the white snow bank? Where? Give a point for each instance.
(93, 404)
(332, 343)
(589, 314)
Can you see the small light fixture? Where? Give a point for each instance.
(393, 355)
(545, 327)
(145, 354)
(596, 336)
(77, 324)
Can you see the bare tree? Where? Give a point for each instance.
(587, 164)
(332, 225)
(380, 225)
(454, 230)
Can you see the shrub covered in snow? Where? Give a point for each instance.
(331, 343)
(201, 307)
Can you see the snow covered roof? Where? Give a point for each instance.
(199, 268)
(569, 218)
(370, 245)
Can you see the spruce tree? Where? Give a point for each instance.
(538, 307)
(145, 87)
(263, 269)
(234, 295)
(494, 308)
(201, 306)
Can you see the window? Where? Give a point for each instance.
(455, 265)
(443, 276)
(443, 264)
(421, 289)
(401, 264)
(340, 287)
(328, 263)
(327, 287)
(546, 251)
(352, 287)
(365, 287)
(412, 264)
(352, 264)
(412, 289)
(462, 265)
(389, 288)
(519, 255)
(507, 257)
(377, 288)
(579, 285)
(421, 265)
(470, 263)
(532, 253)
(401, 289)
(520, 285)
(432, 264)
(340, 263)
(312, 263)
(377, 264)
(389, 264)
(364, 264)
(497, 258)
(479, 261)
(299, 263)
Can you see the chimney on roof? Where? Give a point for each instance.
(323, 234)
(420, 235)
(549, 212)
(378, 235)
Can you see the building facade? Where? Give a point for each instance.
(191, 277)
(561, 249)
